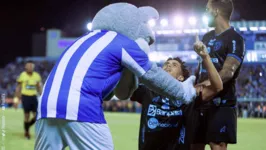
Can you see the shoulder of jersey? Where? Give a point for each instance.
(23, 72)
(36, 73)
(122, 40)
(209, 33)
(236, 35)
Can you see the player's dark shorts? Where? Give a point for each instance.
(30, 103)
(216, 124)
(166, 139)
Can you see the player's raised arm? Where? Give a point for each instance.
(215, 80)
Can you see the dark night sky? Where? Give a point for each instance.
(20, 19)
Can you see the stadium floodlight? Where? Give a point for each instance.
(205, 20)
(159, 32)
(192, 21)
(195, 30)
(243, 28)
(168, 32)
(164, 22)
(263, 28)
(187, 31)
(193, 56)
(89, 26)
(178, 21)
(152, 23)
(254, 28)
(178, 31)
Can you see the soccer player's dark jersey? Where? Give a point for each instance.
(228, 43)
(216, 121)
(160, 120)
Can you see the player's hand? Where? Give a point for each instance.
(199, 88)
(200, 48)
(16, 100)
(190, 91)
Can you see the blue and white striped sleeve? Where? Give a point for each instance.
(135, 59)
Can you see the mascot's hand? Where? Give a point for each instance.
(190, 91)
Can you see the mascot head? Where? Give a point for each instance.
(126, 19)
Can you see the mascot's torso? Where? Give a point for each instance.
(86, 73)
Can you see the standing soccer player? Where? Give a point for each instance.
(29, 84)
(217, 120)
(162, 125)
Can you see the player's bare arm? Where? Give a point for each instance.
(214, 78)
(18, 90)
(126, 85)
(229, 68)
(39, 87)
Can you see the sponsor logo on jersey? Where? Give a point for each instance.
(169, 113)
(167, 125)
(211, 42)
(215, 60)
(153, 111)
(153, 123)
(208, 49)
(218, 45)
(156, 99)
(177, 103)
(166, 104)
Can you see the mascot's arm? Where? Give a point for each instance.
(161, 82)
(155, 78)
(126, 86)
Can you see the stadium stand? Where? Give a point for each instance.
(170, 41)
(251, 87)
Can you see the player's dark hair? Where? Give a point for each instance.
(185, 71)
(225, 6)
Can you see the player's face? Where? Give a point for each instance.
(173, 67)
(211, 13)
(29, 67)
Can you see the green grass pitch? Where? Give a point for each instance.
(124, 128)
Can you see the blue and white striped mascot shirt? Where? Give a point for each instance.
(86, 73)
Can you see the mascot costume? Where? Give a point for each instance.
(112, 58)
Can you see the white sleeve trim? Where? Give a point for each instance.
(131, 64)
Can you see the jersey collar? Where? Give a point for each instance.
(223, 31)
